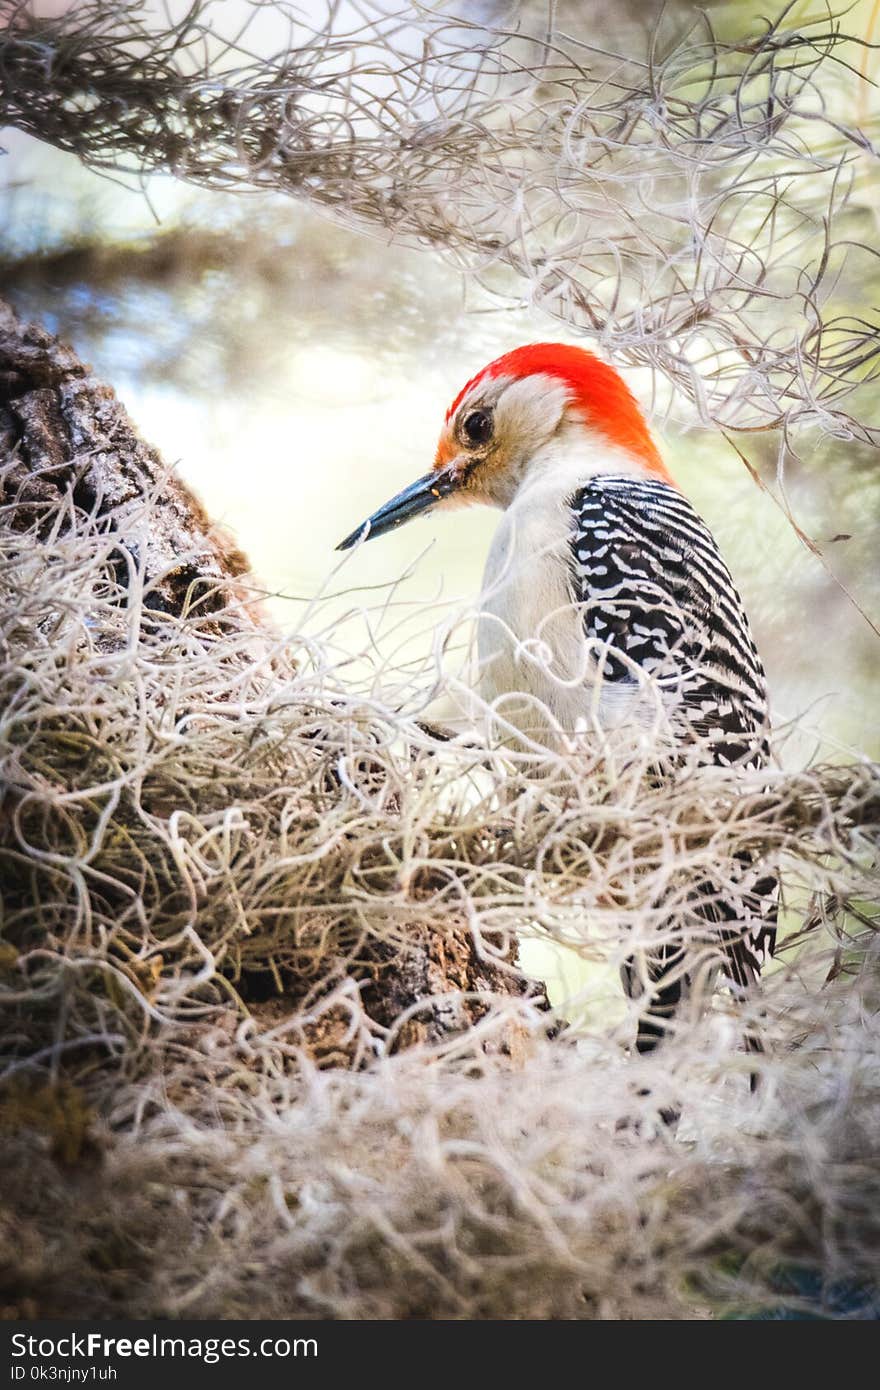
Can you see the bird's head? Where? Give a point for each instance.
(518, 413)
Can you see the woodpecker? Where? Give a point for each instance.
(606, 605)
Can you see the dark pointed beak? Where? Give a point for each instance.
(418, 497)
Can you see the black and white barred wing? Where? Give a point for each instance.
(658, 600)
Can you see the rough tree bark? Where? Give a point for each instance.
(65, 434)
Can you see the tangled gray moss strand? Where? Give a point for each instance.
(688, 201)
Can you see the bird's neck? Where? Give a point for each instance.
(568, 461)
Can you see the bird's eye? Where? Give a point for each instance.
(477, 427)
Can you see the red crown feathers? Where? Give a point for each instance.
(596, 389)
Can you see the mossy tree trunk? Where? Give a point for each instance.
(70, 451)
